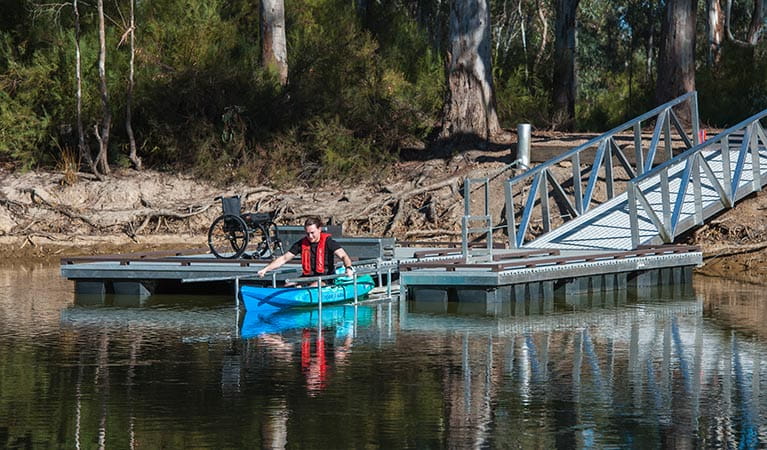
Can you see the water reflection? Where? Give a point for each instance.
(672, 368)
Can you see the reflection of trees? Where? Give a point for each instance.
(666, 374)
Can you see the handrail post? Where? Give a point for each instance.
(511, 225)
(727, 170)
(236, 291)
(753, 145)
(354, 286)
(665, 198)
(667, 136)
(577, 186)
(638, 148)
(697, 189)
(633, 217)
(694, 115)
(319, 294)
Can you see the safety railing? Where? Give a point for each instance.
(476, 224)
(595, 163)
(722, 160)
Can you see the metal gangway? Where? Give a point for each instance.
(668, 188)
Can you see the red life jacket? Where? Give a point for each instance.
(306, 255)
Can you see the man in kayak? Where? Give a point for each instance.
(317, 252)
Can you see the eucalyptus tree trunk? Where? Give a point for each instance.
(274, 47)
(563, 95)
(469, 109)
(714, 31)
(82, 149)
(755, 28)
(106, 120)
(133, 156)
(676, 62)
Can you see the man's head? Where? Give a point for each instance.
(313, 228)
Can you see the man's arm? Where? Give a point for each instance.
(343, 256)
(287, 256)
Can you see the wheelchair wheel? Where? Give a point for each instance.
(269, 244)
(228, 236)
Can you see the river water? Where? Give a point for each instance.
(675, 368)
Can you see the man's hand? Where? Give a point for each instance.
(349, 271)
(261, 273)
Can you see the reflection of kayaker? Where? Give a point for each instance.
(316, 348)
(313, 366)
(344, 318)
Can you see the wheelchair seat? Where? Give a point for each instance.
(231, 205)
(255, 219)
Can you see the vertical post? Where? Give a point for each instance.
(236, 291)
(511, 225)
(633, 218)
(696, 189)
(727, 171)
(638, 148)
(465, 220)
(319, 296)
(667, 135)
(274, 279)
(753, 146)
(388, 283)
(354, 281)
(693, 102)
(608, 162)
(544, 197)
(665, 199)
(466, 196)
(523, 145)
(465, 238)
(577, 187)
(489, 236)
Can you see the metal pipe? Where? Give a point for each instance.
(319, 296)
(523, 145)
(354, 286)
(236, 291)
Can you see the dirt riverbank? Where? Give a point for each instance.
(43, 217)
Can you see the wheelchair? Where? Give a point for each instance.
(232, 231)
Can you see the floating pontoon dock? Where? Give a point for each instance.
(619, 216)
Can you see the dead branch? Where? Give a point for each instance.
(431, 233)
(731, 250)
(61, 210)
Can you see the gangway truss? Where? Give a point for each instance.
(675, 196)
(599, 169)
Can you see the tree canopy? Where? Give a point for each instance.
(366, 79)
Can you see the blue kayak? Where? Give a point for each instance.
(342, 290)
(341, 317)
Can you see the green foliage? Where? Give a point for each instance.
(727, 93)
(521, 99)
(22, 131)
(362, 81)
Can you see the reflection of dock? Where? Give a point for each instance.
(189, 324)
(471, 311)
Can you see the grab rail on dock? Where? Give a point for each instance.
(473, 224)
(512, 261)
(600, 157)
(693, 163)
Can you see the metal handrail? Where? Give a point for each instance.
(668, 219)
(544, 186)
